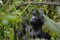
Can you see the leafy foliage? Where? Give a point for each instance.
(15, 18)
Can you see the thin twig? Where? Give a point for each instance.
(38, 3)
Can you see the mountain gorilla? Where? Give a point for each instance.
(37, 22)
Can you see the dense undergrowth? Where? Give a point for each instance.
(29, 19)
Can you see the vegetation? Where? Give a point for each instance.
(29, 19)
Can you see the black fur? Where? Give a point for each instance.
(37, 24)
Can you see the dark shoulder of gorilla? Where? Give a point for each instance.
(23, 27)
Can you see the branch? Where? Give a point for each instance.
(38, 3)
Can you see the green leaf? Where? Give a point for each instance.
(5, 22)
